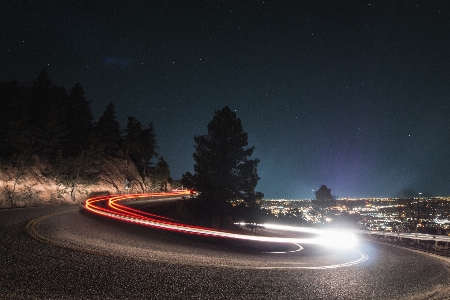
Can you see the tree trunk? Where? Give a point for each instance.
(74, 189)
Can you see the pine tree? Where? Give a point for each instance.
(14, 121)
(140, 143)
(79, 121)
(187, 180)
(149, 144)
(132, 137)
(108, 130)
(50, 134)
(162, 174)
(324, 197)
(41, 99)
(223, 172)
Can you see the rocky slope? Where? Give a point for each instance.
(34, 185)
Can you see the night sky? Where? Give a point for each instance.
(353, 95)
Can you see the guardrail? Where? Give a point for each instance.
(412, 236)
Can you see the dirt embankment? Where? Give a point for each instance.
(34, 185)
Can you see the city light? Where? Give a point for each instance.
(107, 206)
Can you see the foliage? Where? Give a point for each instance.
(108, 130)
(161, 175)
(140, 144)
(324, 197)
(79, 120)
(14, 129)
(323, 194)
(32, 118)
(187, 180)
(50, 134)
(44, 120)
(223, 171)
(248, 213)
(74, 170)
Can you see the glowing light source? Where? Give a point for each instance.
(107, 206)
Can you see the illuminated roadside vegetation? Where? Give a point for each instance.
(46, 124)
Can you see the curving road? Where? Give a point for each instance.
(64, 252)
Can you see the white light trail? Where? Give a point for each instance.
(112, 209)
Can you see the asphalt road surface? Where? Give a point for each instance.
(60, 252)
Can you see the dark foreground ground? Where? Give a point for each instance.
(93, 258)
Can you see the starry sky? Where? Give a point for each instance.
(351, 94)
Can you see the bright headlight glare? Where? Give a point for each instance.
(340, 239)
(337, 239)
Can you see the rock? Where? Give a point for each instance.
(33, 185)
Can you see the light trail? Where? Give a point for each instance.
(107, 206)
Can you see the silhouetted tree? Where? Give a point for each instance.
(323, 194)
(140, 144)
(16, 140)
(108, 130)
(223, 172)
(324, 197)
(41, 98)
(13, 118)
(187, 180)
(132, 137)
(161, 174)
(149, 144)
(44, 120)
(83, 168)
(15, 131)
(79, 121)
(50, 134)
(32, 119)
(46, 116)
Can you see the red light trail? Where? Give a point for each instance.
(108, 206)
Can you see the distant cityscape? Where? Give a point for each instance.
(420, 214)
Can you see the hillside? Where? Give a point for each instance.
(35, 185)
